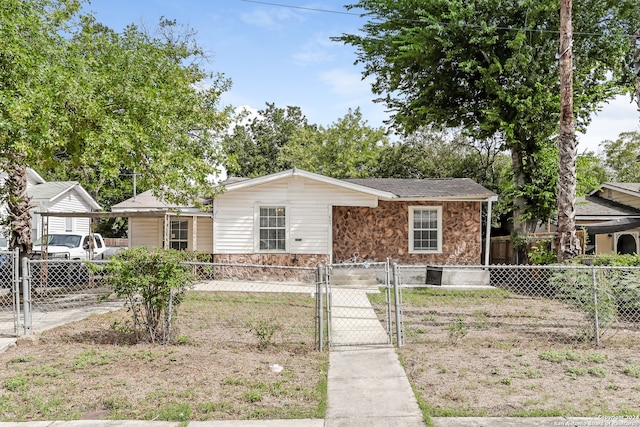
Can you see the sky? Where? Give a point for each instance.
(284, 55)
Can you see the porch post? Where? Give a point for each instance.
(487, 243)
(194, 233)
(167, 232)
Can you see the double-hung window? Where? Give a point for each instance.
(179, 237)
(273, 228)
(425, 229)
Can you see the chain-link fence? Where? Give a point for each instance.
(10, 322)
(528, 305)
(351, 317)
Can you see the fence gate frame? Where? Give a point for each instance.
(12, 277)
(346, 304)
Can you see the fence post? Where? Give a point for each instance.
(387, 291)
(15, 265)
(319, 319)
(596, 323)
(327, 279)
(398, 306)
(26, 295)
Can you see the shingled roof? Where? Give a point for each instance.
(426, 188)
(594, 207)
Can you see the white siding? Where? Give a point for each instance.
(69, 202)
(205, 235)
(308, 206)
(145, 232)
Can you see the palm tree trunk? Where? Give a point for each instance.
(18, 206)
(569, 244)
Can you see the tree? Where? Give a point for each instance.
(491, 68)
(569, 245)
(621, 157)
(428, 153)
(348, 148)
(590, 173)
(79, 94)
(254, 148)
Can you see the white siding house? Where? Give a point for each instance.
(307, 200)
(56, 196)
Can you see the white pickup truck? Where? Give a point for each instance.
(76, 246)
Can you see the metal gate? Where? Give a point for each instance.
(10, 321)
(352, 319)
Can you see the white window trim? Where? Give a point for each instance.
(69, 225)
(171, 240)
(412, 209)
(256, 228)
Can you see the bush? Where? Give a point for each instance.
(153, 284)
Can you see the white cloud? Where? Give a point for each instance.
(270, 18)
(620, 115)
(345, 83)
(315, 51)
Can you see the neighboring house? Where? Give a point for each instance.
(611, 217)
(56, 196)
(301, 218)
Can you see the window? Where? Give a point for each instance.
(179, 237)
(273, 228)
(425, 229)
(68, 225)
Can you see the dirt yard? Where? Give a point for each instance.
(502, 354)
(238, 356)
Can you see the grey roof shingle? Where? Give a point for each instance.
(50, 190)
(594, 206)
(431, 187)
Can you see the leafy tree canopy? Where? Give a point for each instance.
(79, 95)
(621, 157)
(490, 66)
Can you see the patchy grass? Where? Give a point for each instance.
(218, 369)
(497, 353)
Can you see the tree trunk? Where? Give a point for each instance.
(569, 244)
(18, 206)
(521, 227)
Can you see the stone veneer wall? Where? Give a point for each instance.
(292, 260)
(377, 233)
(252, 273)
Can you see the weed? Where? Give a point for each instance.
(45, 371)
(558, 356)
(597, 372)
(210, 407)
(457, 330)
(597, 358)
(632, 370)
(175, 412)
(613, 387)
(480, 317)
(574, 371)
(252, 396)
(234, 381)
(506, 381)
(16, 383)
(265, 331)
(533, 373)
(21, 359)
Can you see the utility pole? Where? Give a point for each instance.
(569, 244)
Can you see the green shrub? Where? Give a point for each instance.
(153, 284)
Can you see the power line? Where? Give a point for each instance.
(338, 12)
(443, 24)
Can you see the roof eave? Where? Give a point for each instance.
(312, 176)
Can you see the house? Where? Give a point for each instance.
(301, 218)
(56, 196)
(611, 218)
